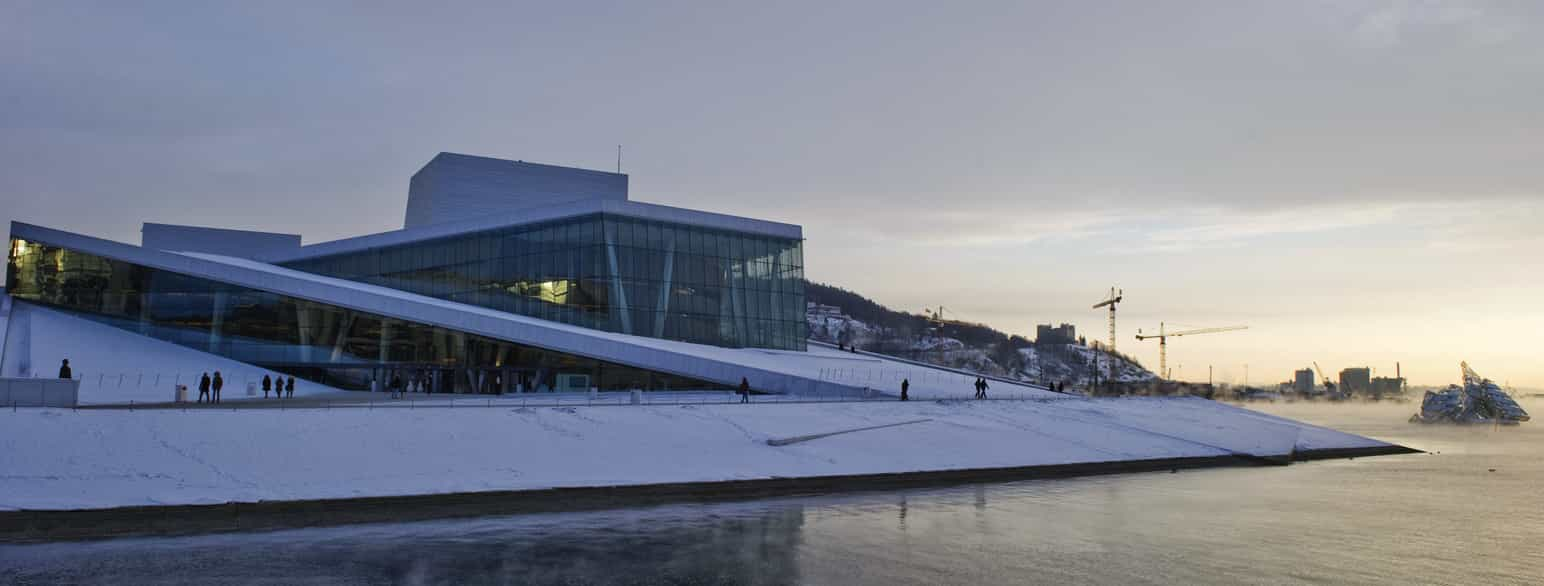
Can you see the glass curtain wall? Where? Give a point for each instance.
(326, 343)
(607, 272)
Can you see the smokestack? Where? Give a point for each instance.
(1396, 371)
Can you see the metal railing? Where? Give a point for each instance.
(382, 400)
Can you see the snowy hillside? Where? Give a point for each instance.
(1007, 357)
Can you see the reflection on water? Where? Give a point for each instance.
(1443, 517)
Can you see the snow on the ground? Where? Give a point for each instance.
(63, 459)
(117, 366)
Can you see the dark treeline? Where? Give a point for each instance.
(900, 327)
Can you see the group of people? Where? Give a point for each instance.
(209, 387)
(282, 388)
(206, 385)
(981, 388)
(399, 389)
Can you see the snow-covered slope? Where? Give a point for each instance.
(117, 366)
(1074, 365)
(62, 459)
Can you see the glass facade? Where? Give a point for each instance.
(325, 343)
(607, 272)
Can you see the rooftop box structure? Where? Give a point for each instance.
(455, 187)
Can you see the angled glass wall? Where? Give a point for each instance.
(325, 343)
(607, 272)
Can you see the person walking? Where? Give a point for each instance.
(905, 385)
(396, 386)
(984, 387)
(745, 390)
(64, 369)
(278, 386)
(978, 387)
(289, 388)
(203, 388)
(219, 383)
(267, 384)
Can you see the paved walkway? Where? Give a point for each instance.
(368, 400)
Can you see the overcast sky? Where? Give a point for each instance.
(1361, 183)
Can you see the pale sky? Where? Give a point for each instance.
(1359, 182)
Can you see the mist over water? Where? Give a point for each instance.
(1442, 517)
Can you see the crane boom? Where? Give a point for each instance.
(1163, 342)
(1209, 330)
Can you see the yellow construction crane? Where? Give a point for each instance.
(1115, 296)
(1163, 342)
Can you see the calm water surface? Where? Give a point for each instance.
(1439, 518)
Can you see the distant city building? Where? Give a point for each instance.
(1355, 380)
(1302, 381)
(1063, 334)
(1384, 385)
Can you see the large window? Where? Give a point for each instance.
(607, 272)
(326, 343)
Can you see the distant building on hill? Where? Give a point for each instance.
(1063, 334)
(818, 311)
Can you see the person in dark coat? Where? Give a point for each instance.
(219, 383)
(978, 387)
(267, 384)
(984, 387)
(64, 369)
(203, 388)
(278, 386)
(905, 385)
(745, 390)
(396, 386)
(289, 388)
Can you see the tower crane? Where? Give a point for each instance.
(1163, 342)
(1115, 297)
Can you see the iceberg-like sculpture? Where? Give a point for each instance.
(1478, 401)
